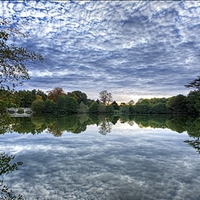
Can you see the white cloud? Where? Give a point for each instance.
(132, 45)
(128, 163)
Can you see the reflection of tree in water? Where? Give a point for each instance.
(5, 168)
(70, 123)
(194, 143)
(105, 127)
(5, 121)
(78, 123)
(193, 130)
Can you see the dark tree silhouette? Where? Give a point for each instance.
(13, 70)
(194, 84)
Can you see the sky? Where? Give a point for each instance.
(126, 164)
(132, 49)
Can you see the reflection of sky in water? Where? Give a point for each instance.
(126, 164)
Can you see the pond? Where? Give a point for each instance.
(112, 158)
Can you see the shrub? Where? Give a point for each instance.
(28, 112)
(20, 111)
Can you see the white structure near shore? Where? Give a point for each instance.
(14, 112)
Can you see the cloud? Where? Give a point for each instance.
(142, 164)
(145, 47)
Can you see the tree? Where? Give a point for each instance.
(105, 97)
(83, 108)
(115, 105)
(105, 127)
(94, 107)
(110, 109)
(194, 84)
(7, 166)
(124, 109)
(67, 104)
(131, 102)
(160, 108)
(13, 70)
(38, 106)
(24, 98)
(55, 93)
(101, 108)
(193, 102)
(178, 104)
(50, 106)
(79, 96)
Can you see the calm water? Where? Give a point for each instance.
(118, 160)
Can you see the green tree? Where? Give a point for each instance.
(24, 98)
(160, 108)
(124, 109)
(94, 107)
(101, 108)
(3, 105)
(38, 106)
(178, 104)
(110, 109)
(13, 60)
(41, 93)
(142, 108)
(83, 108)
(193, 102)
(50, 106)
(67, 104)
(115, 105)
(79, 96)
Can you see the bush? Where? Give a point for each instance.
(20, 111)
(38, 106)
(28, 112)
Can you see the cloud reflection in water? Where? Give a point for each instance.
(130, 164)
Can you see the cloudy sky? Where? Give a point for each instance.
(128, 163)
(133, 49)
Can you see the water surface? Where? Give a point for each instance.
(118, 160)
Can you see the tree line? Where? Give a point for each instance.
(57, 101)
(36, 124)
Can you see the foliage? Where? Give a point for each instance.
(13, 59)
(193, 102)
(124, 109)
(94, 107)
(5, 168)
(178, 104)
(20, 111)
(105, 127)
(3, 106)
(50, 106)
(110, 109)
(115, 105)
(38, 106)
(101, 108)
(83, 108)
(194, 84)
(57, 101)
(66, 104)
(55, 93)
(79, 96)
